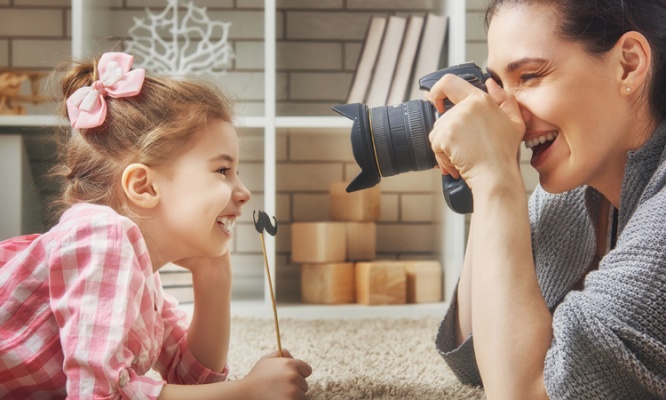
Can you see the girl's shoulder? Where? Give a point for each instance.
(84, 230)
(83, 211)
(78, 221)
(88, 218)
(92, 229)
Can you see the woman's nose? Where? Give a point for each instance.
(525, 114)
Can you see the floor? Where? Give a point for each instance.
(260, 309)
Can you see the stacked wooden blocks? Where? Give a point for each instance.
(337, 256)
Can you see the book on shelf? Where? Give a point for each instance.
(395, 54)
(367, 60)
(403, 71)
(430, 52)
(386, 61)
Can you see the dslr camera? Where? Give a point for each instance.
(390, 140)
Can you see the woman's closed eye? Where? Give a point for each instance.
(527, 77)
(531, 77)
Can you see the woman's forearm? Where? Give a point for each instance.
(512, 324)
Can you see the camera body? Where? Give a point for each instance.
(389, 140)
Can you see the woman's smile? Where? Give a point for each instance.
(540, 146)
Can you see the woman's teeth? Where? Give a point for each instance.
(227, 222)
(549, 137)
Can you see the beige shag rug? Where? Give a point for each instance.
(355, 359)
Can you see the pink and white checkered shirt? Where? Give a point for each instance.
(83, 315)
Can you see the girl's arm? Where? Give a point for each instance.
(208, 333)
(196, 352)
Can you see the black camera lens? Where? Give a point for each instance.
(390, 140)
(400, 134)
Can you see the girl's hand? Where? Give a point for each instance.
(480, 137)
(278, 378)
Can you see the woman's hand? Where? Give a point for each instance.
(480, 137)
(278, 378)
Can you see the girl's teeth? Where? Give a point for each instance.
(226, 222)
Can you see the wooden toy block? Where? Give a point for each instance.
(380, 282)
(318, 242)
(331, 283)
(361, 241)
(424, 281)
(362, 205)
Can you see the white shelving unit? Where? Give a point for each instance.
(453, 225)
(452, 235)
(89, 26)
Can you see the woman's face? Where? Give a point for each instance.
(570, 100)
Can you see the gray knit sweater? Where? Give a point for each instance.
(609, 338)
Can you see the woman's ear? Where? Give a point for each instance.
(139, 187)
(635, 58)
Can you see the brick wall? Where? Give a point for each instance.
(307, 164)
(317, 50)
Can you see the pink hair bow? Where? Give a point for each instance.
(86, 107)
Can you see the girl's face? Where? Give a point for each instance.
(201, 196)
(569, 99)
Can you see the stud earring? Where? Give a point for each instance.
(628, 90)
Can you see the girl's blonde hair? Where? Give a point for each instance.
(150, 128)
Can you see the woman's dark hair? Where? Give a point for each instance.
(599, 24)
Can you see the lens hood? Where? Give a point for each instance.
(361, 139)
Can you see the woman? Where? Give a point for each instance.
(564, 296)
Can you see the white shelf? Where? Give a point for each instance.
(243, 122)
(313, 122)
(260, 309)
(452, 226)
(36, 121)
(250, 122)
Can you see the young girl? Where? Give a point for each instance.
(150, 177)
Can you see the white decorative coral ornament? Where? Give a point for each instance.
(184, 46)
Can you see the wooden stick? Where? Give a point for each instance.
(270, 287)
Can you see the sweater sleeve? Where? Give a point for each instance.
(460, 359)
(609, 339)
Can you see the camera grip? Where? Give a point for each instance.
(457, 194)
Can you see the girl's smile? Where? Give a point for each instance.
(227, 223)
(201, 196)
